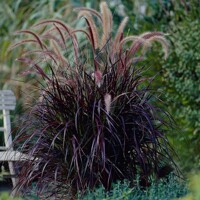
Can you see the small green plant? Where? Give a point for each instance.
(97, 120)
(166, 189)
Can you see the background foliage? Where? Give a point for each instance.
(16, 15)
(178, 76)
(181, 77)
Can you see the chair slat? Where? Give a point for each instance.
(2, 107)
(7, 103)
(13, 156)
(6, 92)
(7, 100)
(4, 148)
(7, 97)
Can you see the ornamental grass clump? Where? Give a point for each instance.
(96, 121)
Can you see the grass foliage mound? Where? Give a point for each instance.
(97, 120)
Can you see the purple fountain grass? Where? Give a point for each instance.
(95, 122)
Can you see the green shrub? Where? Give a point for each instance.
(167, 189)
(182, 80)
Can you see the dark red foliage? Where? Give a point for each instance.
(97, 120)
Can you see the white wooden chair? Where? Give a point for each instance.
(7, 103)
(7, 154)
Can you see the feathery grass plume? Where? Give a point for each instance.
(107, 101)
(133, 39)
(106, 24)
(137, 45)
(119, 34)
(97, 77)
(67, 29)
(34, 34)
(93, 29)
(92, 11)
(97, 120)
(62, 62)
(161, 40)
(148, 35)
(111, 20)
(54, 38)
(22, 42)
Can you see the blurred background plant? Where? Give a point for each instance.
(16, 15)
(181, 78)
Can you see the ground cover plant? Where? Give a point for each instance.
(170, 188)
(167, 189)
(97, 120)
